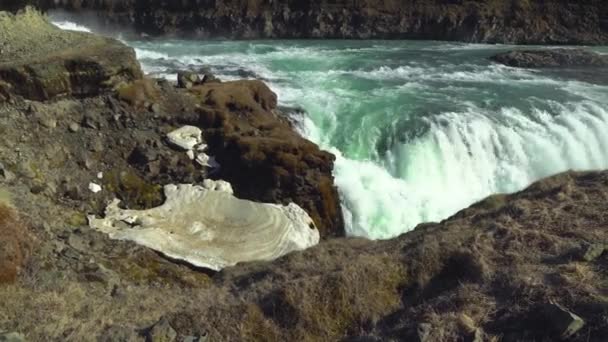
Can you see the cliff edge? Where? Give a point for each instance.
(485, 21)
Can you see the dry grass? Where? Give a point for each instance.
(15, 244)
(139, 92)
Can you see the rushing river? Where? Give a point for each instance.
(420, 129)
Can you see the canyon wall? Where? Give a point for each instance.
(488, 21)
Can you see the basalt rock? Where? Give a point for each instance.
(506, 21)
(551, 58)
(262, 156)
(40, 62)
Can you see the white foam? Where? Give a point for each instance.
(150, 54)
(465, 157)
(71, 26)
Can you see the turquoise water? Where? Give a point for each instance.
(420, 129)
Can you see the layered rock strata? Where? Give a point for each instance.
(38, 62)
(504, 21)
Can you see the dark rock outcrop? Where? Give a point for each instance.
(506, 21)
(551, 58)
(262, 156)
(38, 63)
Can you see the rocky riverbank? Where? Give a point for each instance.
(505, 21)
(527, 266)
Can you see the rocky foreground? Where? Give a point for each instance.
(490, 21)
(524, 267)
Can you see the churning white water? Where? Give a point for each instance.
(420, 129)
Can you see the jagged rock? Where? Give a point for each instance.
(162, 331)
(186, 137)
(262, 156)
(540, 22)
(186, 79)
(46, 63)
(211, 228)
(551, 58)
(562, 322)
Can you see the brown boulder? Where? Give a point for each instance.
(551, 58)
(48, 62)
(263, 157)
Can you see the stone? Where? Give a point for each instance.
(11, 337)
(187, 79)
(562, 322)
(90, 122)
(210, 78)
(74, 127)
(206, 161)
(161, 331)
(591, 251)
(208, 227)
(48, 122)
(97, 145)
(186, 138)
(143, 155)
(51, 63)
(551, 58)
(5, 174)
(155, 108)
(95, 188)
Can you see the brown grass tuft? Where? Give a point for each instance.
(15, 244)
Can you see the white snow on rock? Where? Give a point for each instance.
(95, 188)
(208, 227)
(186, 137)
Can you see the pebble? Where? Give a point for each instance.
(48, 122)
(95, 188)
(74, 127)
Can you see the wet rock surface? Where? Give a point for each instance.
(552, 58)
(517, 21)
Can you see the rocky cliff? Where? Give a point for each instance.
(492, 21)
(530, 266)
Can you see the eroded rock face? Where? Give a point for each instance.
(262, 156)
(45, 62)
(551, 21)
(210, 228)
(552, 58)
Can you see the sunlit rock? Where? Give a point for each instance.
(208, 227)
(186, 137)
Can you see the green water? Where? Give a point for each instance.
(421, 129)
